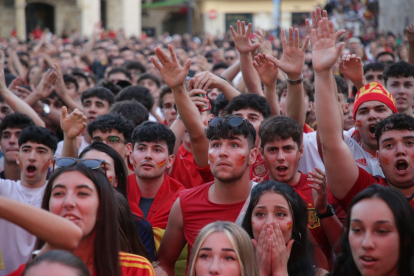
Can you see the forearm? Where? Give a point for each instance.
(87, 50)
(272, 99)
(411, 53)
(229, 91)
(250, 76)
(333, 229)
(37, 77)
(17, 64)
(70, 147)
(55, 230)
(231, 72)
(360, 83)
(295, 103)
(18, 105)
(178, 129)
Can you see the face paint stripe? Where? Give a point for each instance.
(162, 163)
(289, 225)
(384, 160)
(45, 167)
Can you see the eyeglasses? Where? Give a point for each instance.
(233, 121)
(230, 58)
(70, 161)
(111, 141)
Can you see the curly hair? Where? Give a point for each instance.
(280, 127)
(16, 120)
(139, 93)
(132, 110)
(399, 69)
(154, 132)
(397, 121)
(108, 122)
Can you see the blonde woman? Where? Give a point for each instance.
(223, 248)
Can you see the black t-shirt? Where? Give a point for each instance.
(145, 205)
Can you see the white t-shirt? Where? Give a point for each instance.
(16, 243)
(58, 152)
(312, 159)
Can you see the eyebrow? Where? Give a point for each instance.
(377, 222)
(77, 187)
(275, 207)
(223, 249)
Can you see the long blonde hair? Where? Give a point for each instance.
(238, 238)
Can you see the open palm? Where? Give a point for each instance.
(266, 70)
(242, 38)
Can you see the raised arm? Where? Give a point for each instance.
(341, 170)
(87, 50)
(173, 240)
(352, 68)
(62, 92)
(57, 232)
(231, 72)
(245, 47)
(174, 76)
(410, 36)
(72, 127)
(13, 101)
(207, 80)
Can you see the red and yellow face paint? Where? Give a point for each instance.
(384, 161)
(45, 167)
(358, 123)
(162, 163)
(110, 179)
(241, 161)
(210, 157)
(289, 225)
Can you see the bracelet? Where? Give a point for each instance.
(294, 82)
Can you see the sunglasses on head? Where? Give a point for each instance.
(233, 121)
(70, 161)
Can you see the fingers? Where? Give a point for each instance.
(338, 35)
(162, 57)
(187, 65)
(239, 31)
(233, 33)
(156, 64)
(64, 112)
(172, 53)
(249, 29)
(296, 39)
(283, 39)
(305, 44)
(308, 26)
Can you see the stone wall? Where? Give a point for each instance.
(395, 15)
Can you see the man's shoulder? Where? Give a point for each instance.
(187, 193)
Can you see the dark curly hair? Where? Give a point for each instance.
(397, 121)
(38, 135)
(132, 110)
(300, 260)
(399, 69)
(220, 104)
(154, 132)
(224, 130)
(109, 122)
(99, 92)
(404, 219)
(16, 120)
(249, 100)
(280, 127)
(139, 93)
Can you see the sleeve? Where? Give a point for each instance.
(58, 152)
(205, 173)
(133, 265)
(19, 271)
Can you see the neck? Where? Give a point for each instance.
(37, 184)
(11, 170)
(231, 192)
(368, 149)
(291, 182)
(407, 192)
(149, 187)
(86, 250)
(408, 111)
(87, 137)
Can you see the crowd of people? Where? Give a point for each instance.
(249, 155)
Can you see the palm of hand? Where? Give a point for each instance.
(243, 44)
(268, 73)
(72, 126)
(353, 70)
(292, 61)
(324, 54)
(173, 75)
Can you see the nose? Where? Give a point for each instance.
(400, 149)
(148, 154)
(69, 202)
(372, 115)
(223, 151)
(368, 242)
(280, 155)
(214, 266)
(32, 155)
(13, 139)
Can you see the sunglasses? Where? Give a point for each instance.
(233, 121)
(70, 161)
(111, 141)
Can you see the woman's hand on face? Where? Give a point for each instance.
(263, 251)
(280, 251)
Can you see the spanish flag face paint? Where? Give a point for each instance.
(45, 167)
(242, 159)
(134, 162)
(110, 178)
(289, 225)
(162, 163)
(358, 123)
(384, 161)
(210, 157)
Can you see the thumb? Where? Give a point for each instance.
(339, 48)
(289, 246)
(341, 66)
(338, 34)
(187, 65)
(256, 45)
(254, 243)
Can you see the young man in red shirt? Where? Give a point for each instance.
(394, 135)
(230, 151)
(151, 192)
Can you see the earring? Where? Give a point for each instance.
(300, 236)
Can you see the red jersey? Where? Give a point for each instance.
(314, 223)
(163, 201)
(364, 180)
(184, 169)
(131, 265)
(198, 211)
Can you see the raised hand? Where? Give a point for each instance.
(197, 99)
(293, 57)
(242, 38)
(319, 190)
(43, 90)
(409, 32)
(173, 74)
(318, 15)
(352, 68)
(97, 28)
(206, 80)
(266, 69)
(325, 54)
(18, 81)
(74, 124)
(3, 85)
(280, 251)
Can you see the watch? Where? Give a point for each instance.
(46, 110)
(294, 82)
(330, 211)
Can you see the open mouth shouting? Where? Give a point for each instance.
(401, 166)
(31, 170)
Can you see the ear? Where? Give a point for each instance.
(170, 161)
(18, 162)
(129, 148)
(311, 107)
(210, 117)
(301, 151)
(253, 156)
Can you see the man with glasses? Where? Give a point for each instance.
(116, 132)
(229, 142)
(35, 156)
(230, 55)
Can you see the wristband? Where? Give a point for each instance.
(330, 211)
(294, 82)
